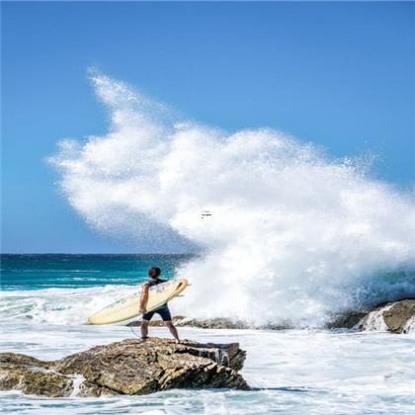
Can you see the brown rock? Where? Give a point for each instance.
(127, 367)
(35, 377)
(156, 322)
(393, 316)
(396, 316)
(214, 323)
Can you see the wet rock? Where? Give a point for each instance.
(127, 367)
(35, 377)
(284, 325)
(156, 322)
(214, 323)
(226, 323)
(346, 320)
(397, 317)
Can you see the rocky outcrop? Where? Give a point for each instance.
(397, 317)
(346, 320)
(35, 377)
(214, 323)
(128, 367)
(155, 322)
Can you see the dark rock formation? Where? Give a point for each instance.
(127, 367)
(213, 323)
(346, 320)
(177, 320)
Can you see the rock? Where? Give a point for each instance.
(346, 320)
(35, 377)
(397, 317)
(283, 325)
(128, 367)
(156, 322)
(214, 323)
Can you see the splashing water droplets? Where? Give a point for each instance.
(292, 234)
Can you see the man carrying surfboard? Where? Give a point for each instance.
(163, 311)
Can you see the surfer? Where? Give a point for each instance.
(163, 311)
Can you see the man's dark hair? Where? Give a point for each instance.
(157, 270)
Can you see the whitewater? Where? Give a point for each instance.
(47, 298)
(294, 372)
(283, 231)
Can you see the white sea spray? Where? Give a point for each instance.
(410, 326)
(286, 233)
(374, 320)
(77, 382)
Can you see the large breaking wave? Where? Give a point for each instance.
(285, 232)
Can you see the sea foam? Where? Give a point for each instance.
(285, 232)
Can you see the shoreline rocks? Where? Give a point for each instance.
(213, 323)
(396, 316)
(128, 367)
(347, 320)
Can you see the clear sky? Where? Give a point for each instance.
(339, 74)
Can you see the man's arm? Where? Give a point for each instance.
(144, 297)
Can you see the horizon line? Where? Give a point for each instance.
(97, 253)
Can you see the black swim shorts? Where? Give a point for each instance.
(162, 311)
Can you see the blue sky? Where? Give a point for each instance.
(339, 74)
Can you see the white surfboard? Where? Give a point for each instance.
(129, 307)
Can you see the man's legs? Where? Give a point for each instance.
(144, 329)
(164, 313)
(144, 324)
(169, 324)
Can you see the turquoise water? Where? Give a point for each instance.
(28, 272)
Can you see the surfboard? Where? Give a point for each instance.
(128, 307)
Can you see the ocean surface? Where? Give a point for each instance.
(47, 298)
(29, 272)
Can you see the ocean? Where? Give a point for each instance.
(29, 272)
(307, 370)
